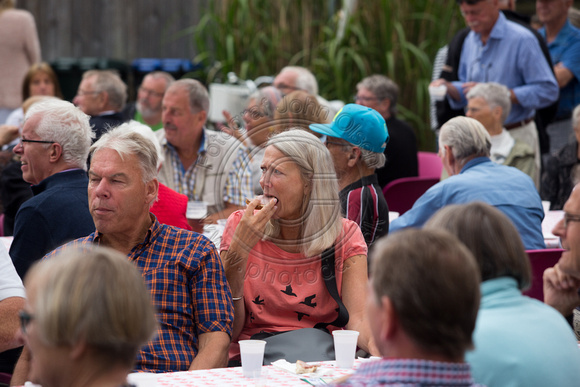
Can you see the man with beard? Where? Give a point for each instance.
(147, 109)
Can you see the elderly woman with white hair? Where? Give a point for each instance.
(87, 313)
(273, 250)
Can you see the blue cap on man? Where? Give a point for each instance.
(360, 125)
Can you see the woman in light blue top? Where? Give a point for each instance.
(518, 341)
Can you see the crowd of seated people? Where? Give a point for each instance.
(296, 181)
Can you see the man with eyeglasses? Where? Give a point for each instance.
(53, 151)
(499, 50)
(356, 140)
(102, 95)
(147, 109)
(380, 93)
(562, 282)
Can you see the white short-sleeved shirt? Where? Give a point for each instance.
(10, 282)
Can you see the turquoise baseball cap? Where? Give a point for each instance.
(360, 125)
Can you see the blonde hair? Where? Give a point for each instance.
(93, 296)
(321, 215)
(299, 109)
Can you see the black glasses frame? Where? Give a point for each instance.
(570, 218)
(37, 141)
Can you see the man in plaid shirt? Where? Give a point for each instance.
(422, 320)
(181, 268)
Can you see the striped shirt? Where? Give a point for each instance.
(363, 202)
(188, 288)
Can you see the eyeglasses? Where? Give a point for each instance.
(150, 92)
(282, 86)
(570, 218)
(24, 140)
(366, 99)
(25, 319)
(82, 92)
(335, 143)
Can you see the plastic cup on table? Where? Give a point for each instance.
(142, 379)
(252, 353)
(196, 211)
(345, 347)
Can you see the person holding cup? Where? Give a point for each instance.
(272, 250)
(422, 320)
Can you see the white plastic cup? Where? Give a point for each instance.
(142, 379)
(252, 352)
(438, 93)
(195, 213)
(345, 347)
(546, 206)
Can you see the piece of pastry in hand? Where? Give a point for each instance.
(258, 207)
(305, 368)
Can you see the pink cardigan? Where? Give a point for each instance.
(19, 49)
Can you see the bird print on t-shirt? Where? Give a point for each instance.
(257, 300)
(288, 291)
(308, 301)
(300, 315)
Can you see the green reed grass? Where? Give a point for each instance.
(398, 38)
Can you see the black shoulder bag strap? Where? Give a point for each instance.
(329, 276)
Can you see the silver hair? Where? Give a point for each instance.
(372, 159)
(126, 143)
(467, 138)
(64, 123)
(146, 132)
(198, 95)
(383, 88)
(495, 94)
(305, 80)
(576, 117)
(110, 82)
(168, 78)
(322, 219)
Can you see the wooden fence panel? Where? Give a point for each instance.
(116, 29)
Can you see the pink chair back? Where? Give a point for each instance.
(429, 165)
(402, 193)
(540, 261)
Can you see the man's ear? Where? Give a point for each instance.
(353, 156)
(390, 319)
(103, 97)
(55, 153)
(152, 190)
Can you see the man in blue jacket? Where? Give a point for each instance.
(464, 146)
(53, 151)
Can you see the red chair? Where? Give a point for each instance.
(430, 165)
(540, 261)
(5, 379)
(402, 193)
